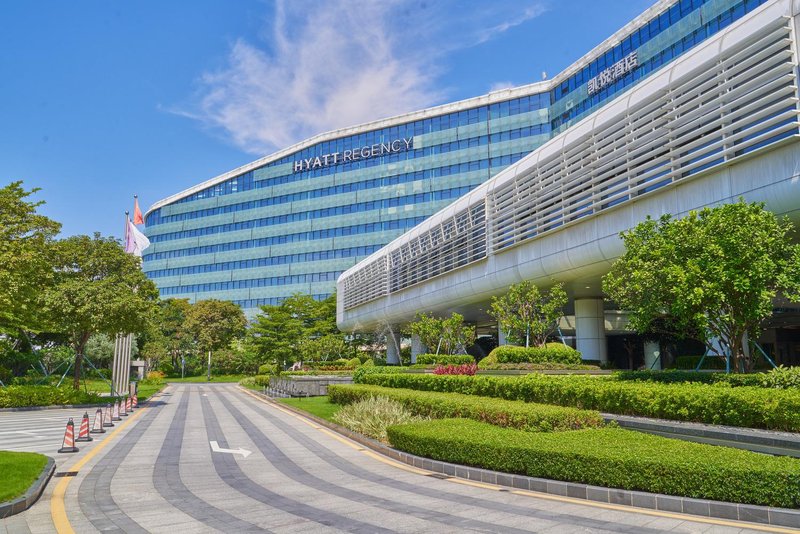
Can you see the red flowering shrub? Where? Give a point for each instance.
(463, 369)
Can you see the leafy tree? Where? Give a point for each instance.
(447, 335)
(326, 348)
(714, 272)
(100, 349)
(527, 314)
(25, 268)
(280, 332)
(98, 288)
(167, 336)
(215, 324)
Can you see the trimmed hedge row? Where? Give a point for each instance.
(610, 457)
(549, 353)
(24, 396)
(521, 415)
(535, 367)
(773, 409)
(444, 359)
(671, 377)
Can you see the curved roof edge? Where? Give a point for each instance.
(490, 98)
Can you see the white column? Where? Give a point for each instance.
(651, 353)
(393, 348)
(590, 329)
(417, 348)
(501, 336)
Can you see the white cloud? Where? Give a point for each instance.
(328, 65)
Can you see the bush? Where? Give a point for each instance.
(368, 363)
(24, 396)
(549, 353)
(371, 416)
(484, 365)
(259, 381)
(268, 369)
(610, 457)
(444, 359)
(153, 378)
(521, 415)
(772, 409)
(676, 376)
(366, 370)
(781, 378)
(354, 362)
(463, 369)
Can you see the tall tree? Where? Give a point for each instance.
(167, 336)
(444, 335)
(527, 314)
(98, 288)
(714, 272)
(214, 324)
(25, 267)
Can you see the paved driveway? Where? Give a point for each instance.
(160, 473)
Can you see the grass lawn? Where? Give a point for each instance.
(20, 470)
(202, 378)
(100, 386)
(319, 406)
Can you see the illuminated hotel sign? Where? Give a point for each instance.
(366, 152)
(613, 73)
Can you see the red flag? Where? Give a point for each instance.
(137, 213)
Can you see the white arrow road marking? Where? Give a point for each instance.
(216, 448)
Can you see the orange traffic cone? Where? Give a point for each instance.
(115, 414)
(128, 405)
(83, 433)
(107, 419)
(122, 411)
(135, 400)
(68, 445)
(97, 427)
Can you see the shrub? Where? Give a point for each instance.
(368, 363)
(268, 369)
(153, 378)
(773, 409)
(782, 378)
(354, 362)
(677, 376)
(610, 457)
(463, 369)
(366, 370)
(489, 366)
(371, 416)
(444, 359)
(521, 415)
(549, 353)
(24, 396)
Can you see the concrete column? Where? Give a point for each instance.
(393, 348)
(417, 348)
(652, 351)
(590, 329)
(501, 337)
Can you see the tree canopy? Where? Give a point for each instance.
(714, 272)
(97, 288)
(25, 268)
(528, 315)
(443, 335)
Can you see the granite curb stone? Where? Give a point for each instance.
(27, 499)
(668, 503)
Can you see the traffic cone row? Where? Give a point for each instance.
(102, 419)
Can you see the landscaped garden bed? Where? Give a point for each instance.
(745, 406)
(20, 470)
(609, 457)
(515, 414)
(27, 396)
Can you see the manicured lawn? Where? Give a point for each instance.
(20, 470)
(320, 406)
(145, 390)
(202, 378)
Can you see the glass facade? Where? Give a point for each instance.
(296, 223)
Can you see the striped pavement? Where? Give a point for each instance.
(39, 430)
(161, 474)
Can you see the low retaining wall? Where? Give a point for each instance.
(306, 386)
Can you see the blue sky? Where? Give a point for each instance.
(103, 100)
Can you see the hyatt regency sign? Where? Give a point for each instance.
(366, 152)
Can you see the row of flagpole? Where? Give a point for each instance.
(135, 242)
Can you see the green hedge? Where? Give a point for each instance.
(610, 457)
(444, 359)
(268, 369)
(670, 377)
(549, 353)
(255, 381)
(773, 409)
(24, 396)
(535, 367)
(521, 415)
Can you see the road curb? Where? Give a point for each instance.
(29, 498)
(765, 515)
(51, 407)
